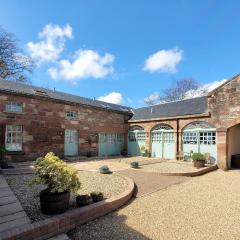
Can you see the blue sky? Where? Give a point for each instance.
(133, 48)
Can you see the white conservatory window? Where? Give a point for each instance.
(13, 138)
(14, 107)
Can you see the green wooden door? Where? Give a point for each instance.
(162, 142)
(200, 137)
(110, 144)
(136, 140)
(71, 142)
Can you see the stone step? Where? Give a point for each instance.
(12, 217)
(14, 224)
(10, 209)
(7, 200)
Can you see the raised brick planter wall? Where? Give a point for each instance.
(69, 220)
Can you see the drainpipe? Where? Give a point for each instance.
(177, 135)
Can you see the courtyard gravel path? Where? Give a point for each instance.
(205, 207)
(169, 167)
(109, 184)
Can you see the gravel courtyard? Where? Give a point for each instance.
(205, 207)
(109, 184)
(169, 167)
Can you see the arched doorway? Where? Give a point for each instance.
(234, 146)
(136, 140)
(162, 141)
(200, 137)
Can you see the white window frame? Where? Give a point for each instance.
(14, 107)
(13, 138)
(72, 115)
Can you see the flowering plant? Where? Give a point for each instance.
(56, 174)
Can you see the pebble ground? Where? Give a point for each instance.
(205, 207)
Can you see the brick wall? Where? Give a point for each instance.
(44, 123)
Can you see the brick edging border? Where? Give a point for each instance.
(186, 174)
(69, 220)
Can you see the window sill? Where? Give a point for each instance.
(13, 112)
(15, 153)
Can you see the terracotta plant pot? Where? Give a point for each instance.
(199, 164)
(54, 203)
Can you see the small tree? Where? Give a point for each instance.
(177, 91)
(13, 64)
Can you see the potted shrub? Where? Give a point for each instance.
(134, 164)
(198, 160)
(96, 196)
(83, 200)
(60, 181)
(143, 151)
(124, 153)
(104, 169)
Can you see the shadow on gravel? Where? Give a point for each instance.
(111, 227)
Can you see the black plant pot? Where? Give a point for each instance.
(97, 197)
(83, 200)
(54, 203)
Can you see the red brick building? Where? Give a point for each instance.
(35, 121)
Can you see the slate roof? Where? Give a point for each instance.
(29, 90)
(172, 109)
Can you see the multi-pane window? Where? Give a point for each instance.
(204, 137)
(156, 137)
(190, 137)
(14, 107)
(136, 136)
(72, 115)
(13, 138)
(207, 138)
(168, 137)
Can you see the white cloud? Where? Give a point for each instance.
(204, 89)
(164, 61)
(113, 97)
(51, 44)
(152, 98)
(86, 63)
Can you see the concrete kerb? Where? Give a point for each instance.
(69, 220)
(196, 173)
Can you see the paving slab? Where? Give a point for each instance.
(12, 214)
(147, 182)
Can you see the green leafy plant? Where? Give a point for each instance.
(104, 169)
(55, 174)
(198, 157)
(96, 196)
(142, 149)
(134, 164)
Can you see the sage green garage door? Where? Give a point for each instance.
(162, 142)
(110, 144)
(136, 141)
(200, 137)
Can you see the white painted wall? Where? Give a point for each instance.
(233, 142)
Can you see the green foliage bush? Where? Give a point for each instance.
(56, 174)
(104, 169)
(198, 157)
(134, 164)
